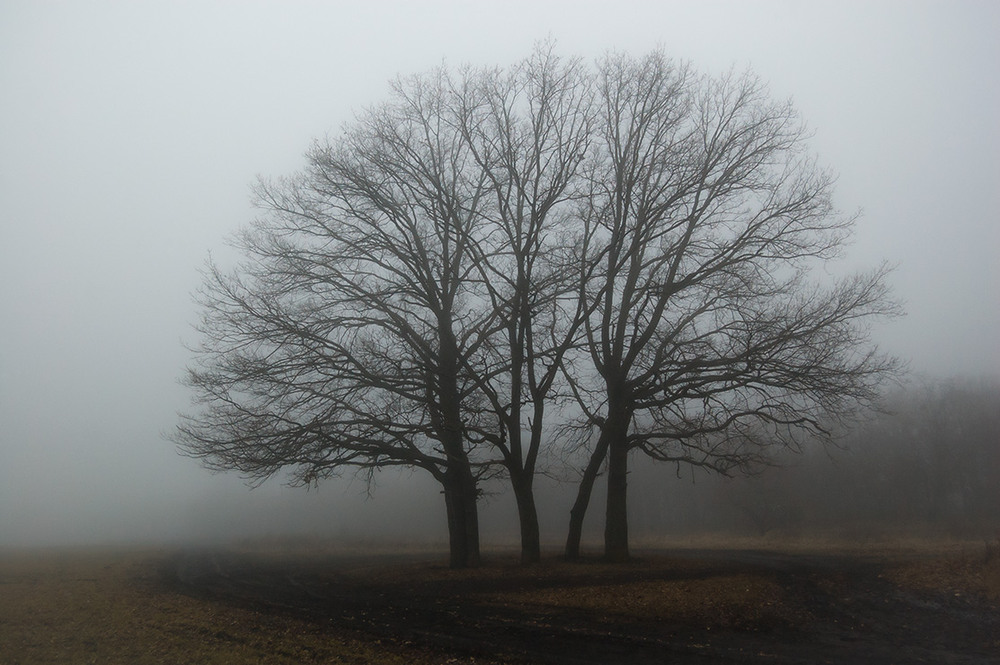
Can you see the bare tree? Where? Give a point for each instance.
(342, 340)
(529, 130)
(630, 243)
(707, 343)
(406, 299)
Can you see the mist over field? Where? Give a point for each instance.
(130, 134)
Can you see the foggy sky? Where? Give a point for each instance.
(130, 133)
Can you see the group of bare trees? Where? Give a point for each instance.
(611, 258)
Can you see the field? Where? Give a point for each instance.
(297, 604)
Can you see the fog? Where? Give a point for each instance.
(130, 133)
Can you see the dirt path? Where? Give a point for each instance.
(676, 607)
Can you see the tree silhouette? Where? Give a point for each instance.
(707, 343)
(492, 259)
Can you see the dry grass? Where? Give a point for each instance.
(109, 607)
(965, 574)
(738, 601)
(103, 606)
(881, 544)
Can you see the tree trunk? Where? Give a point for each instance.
(470, 497)
(460, 497)
(616, 516)
(457, 533)
(461, 493)
(579, 510)
(531, 548)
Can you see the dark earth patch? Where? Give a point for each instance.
(691, 606)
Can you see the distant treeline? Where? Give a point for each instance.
(931, 462)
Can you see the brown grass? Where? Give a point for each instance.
(744, 601)
(104, 606)
(108, 607)
(966, 574)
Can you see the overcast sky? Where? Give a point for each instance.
(130, 133)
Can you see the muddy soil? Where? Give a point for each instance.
(796, 608)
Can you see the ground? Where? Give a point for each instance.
(326, 605)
